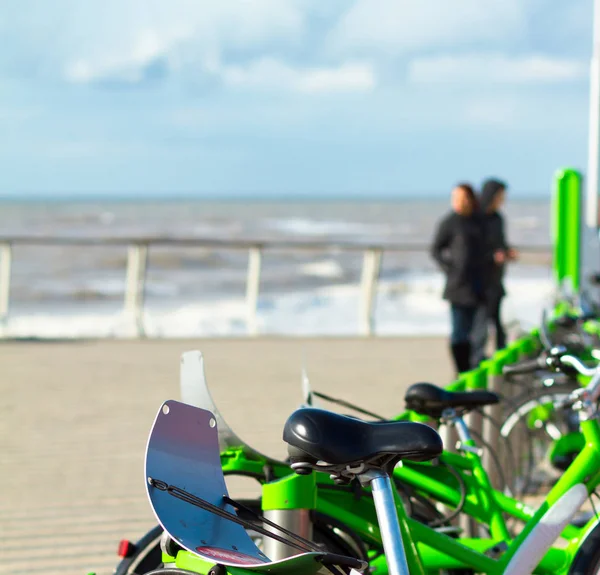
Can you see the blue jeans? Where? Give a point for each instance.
(463, 318)
(487, 314)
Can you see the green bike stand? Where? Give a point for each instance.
(288, 502)
(476, 379)
(528, 345)
(566, 229)
(291, 492)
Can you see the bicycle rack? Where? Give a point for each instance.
(184, 476)
(194, 391)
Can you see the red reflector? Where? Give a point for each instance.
(126, 548)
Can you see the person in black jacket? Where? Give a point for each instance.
(497, 254)
(458, 249)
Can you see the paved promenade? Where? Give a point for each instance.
(74, 419)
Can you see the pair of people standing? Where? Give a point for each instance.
(471, 248)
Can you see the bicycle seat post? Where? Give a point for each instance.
(465, 441)
(348, 448)
(387, 517)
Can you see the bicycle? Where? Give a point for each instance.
(487, 505)
(549, 440)
(188, 495)
(438, 550)
(340, 524)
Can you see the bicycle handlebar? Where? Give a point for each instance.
(578, 365)
(591, 392)
(525, 367)
(556, 359)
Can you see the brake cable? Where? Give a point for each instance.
(301, 544)
(505, 440)
(463, 497)
(493, 455)
(347, 404)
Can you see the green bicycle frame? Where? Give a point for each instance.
(429, 550)
(487, 506)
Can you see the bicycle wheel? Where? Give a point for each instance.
(146, 555)
(543, 441)
(587, 558)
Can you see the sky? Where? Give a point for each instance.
(282, 98)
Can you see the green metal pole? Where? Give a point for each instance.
(566, 208)
(558, 233)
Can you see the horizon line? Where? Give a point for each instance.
(243, 197)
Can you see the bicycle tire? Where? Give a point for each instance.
(530, 446)
(146, 557)
(587, 558)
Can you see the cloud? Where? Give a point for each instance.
(393, 27)
(190, 40)
(144, 48)
(268, 73)
(495, 69)
(115, 39)
(416, 84)
(149, 58)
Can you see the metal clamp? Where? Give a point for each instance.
(460, 446)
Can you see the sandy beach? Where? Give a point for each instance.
(76, 415)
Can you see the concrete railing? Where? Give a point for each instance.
(138, 249)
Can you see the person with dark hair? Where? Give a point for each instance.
(457, 248)
(497, 254)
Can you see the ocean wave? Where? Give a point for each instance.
(199, 291)
(330, 269)
(313, 227)
(416, 309)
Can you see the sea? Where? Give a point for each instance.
(78, 291)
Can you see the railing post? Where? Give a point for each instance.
(368, 290)
(137, 260)
(5, 273)
(253, 288)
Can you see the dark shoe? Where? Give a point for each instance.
(500, 340)
(461, 353)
